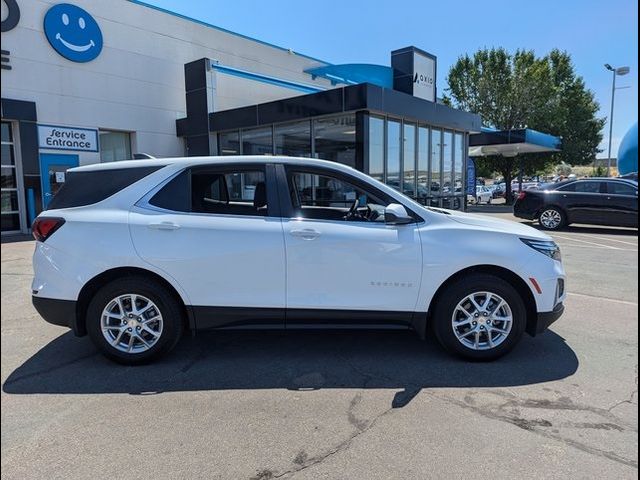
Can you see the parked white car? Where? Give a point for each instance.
(136, 252)
(483, 195)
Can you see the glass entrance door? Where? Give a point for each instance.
(11, 213)
(53, 168)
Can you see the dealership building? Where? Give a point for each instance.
(92, 81)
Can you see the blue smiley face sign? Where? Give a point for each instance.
(73, 33)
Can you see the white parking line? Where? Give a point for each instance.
(624, 302)
(633, 244)
(576, 245)
(591, 243)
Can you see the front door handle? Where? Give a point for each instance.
(164, 226)
(305, 234)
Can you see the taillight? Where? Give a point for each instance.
(44, 227)
(521, 195)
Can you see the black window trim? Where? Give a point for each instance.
(285, 171)
(273, 200)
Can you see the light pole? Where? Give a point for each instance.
(616, 71)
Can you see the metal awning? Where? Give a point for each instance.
(510, 143)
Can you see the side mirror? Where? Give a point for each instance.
(396, 214)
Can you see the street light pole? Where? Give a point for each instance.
(615, 71)
(613, 99)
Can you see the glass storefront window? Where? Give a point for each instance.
(447, 164)
(458, 163)
(335, 139)
(423, 164)
(376, 148)
(393, 153)
(409, 160)
(257, 141)
(9, 203)
(293, 139)
(435, 188)
(229, 143)
(114, 146)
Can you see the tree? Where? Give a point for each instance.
(520, 90)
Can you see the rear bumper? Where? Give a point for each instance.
(58, 312)
(545, 319)
(524, 215)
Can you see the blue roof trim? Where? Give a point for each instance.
(543, 139)
(201, 22)
(355, 73)
(258, 77)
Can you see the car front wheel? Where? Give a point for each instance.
(480, 317)
(134, 320)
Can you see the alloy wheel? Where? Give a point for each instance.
(131, 323)
(551, 219)
(482, 321)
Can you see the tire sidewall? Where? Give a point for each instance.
(449, 300)
(163, 299)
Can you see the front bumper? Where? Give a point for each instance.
(58, 312)
(544, 320)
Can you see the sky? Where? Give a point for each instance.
(594, 32)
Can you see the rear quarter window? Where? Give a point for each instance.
(89, 187)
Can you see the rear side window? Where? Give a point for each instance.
(220, 191)
(89, 187)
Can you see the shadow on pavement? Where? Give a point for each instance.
(289, 360)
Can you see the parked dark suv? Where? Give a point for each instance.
(597, 201)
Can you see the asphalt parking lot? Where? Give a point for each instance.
(334, 405)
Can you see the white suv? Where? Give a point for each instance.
(134, 253)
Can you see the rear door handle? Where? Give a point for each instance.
(164, 226)
(305, 234)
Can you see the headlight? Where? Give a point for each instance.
(548, 248)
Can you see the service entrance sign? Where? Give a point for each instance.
(53, 137)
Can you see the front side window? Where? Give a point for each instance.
(222, 192)
(582, 187)
(324, 197)
(620, 188)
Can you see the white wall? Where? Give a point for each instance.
(137, 82)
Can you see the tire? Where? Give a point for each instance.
(552, 218)
(478, 285)
(489, 201)
(155, 331)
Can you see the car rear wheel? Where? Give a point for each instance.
(480, 317)
(552, 218)
(134, 320)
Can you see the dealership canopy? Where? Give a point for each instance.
(510, 143)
